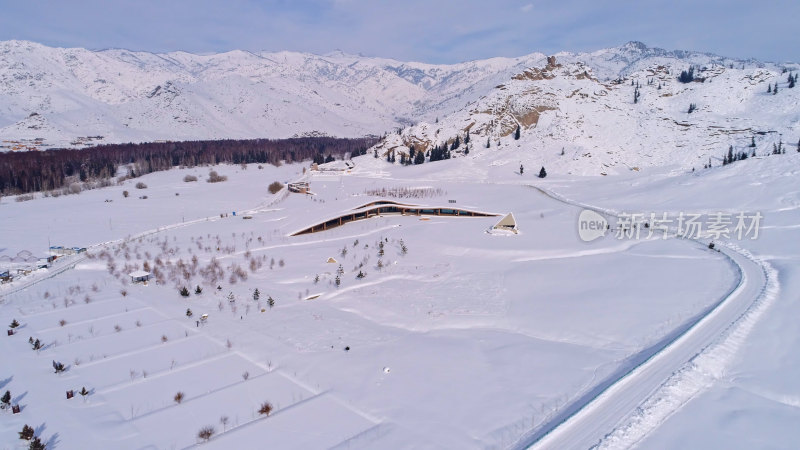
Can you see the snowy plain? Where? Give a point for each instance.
(466, 340)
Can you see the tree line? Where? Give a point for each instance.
(32, 171)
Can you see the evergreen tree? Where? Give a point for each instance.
(466, 150)
(411, 155)
(769, 88)
(6, 399)
(329, 159)
(270, 301)
(466, 138)
(517, 133)
(542, 173)
(198, 290)
(752, 141)
(36, 444)
(729, 159)
(184, 292)
(791, 81)
(798, 146)
(687, 76)
(521, 169)
(775, 90)
(84, 392)
(14, 324)
(188, 312)
(488, 142)
(419, 158)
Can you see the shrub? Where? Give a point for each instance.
(274, 187)
(14, 324)
(178, 397)
(189, 178)
(62, 322)
(206, 432)
(265, 408)
(214, 177)
(184, 292)
(141, 185)
(26, 433)
(198, 290)
(24, 198)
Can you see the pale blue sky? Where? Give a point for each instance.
(431, 31)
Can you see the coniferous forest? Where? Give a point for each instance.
(23, 172)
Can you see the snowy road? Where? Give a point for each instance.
(587, 420)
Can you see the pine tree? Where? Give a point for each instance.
(84, 392)
(798, 146)
(256, 294)
(188, 312)
(14, 324)
(488, 142)
(521, 169)
(769, 88)
(752, 141)
(542, 173)
(270, 302)
(729, 158)
(419, 158)
(517, 133)
(466, 138)
(198, 290)
(184, 292)
(775, 90)
(6, 399)
(36, 444)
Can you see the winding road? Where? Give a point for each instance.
(587, 420)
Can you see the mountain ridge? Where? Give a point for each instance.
(127, 96)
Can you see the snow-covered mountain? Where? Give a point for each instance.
(581, 103)
(622, 109)
(62, 94)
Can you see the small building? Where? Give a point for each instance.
(62, 251)
(507, 223)
(140, 276)
(5, 276)
(300, 187)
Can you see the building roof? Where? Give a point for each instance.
(139, 274)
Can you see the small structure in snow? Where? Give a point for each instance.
(331, 260)
(507, 223)
(140, 276)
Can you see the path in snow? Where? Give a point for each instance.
(620, 410)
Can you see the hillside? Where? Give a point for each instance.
(581, 103)
(574, 119)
